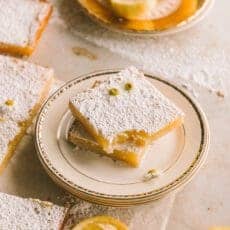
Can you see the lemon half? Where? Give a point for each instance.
(131, 9)
(101, 223)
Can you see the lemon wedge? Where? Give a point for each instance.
(131, 9)
(101, 223)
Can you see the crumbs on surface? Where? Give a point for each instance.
(79, 51)
(220, 94)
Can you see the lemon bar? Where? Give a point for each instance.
(23, 88)
(125, 107)
(26, 214)
(22, 23)
(126, 152)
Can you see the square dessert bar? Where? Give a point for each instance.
(26, 214)
(125, 108)
(23, 88)
(22, 23)
(127, 152)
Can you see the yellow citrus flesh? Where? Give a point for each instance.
(130, 9)
(101, 223)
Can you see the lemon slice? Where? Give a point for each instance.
(101, 223)
(131, 9)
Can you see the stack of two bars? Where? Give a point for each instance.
(121, 116)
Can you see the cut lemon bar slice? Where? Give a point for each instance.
(125, 108)
(101, 223)
(126, 152)
(21, 213)
(23, 88)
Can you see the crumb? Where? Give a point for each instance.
(36, 210)
(96, 83)
(220, 94)
(79, 51)
(190, 89)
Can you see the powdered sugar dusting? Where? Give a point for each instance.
(19, 213)
(21, 21)
(143, 108)
(20, 82)
(196, 55)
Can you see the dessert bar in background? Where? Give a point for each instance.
(21, 213)
(23, 88)
(22, 23)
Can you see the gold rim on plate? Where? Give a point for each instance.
(121, 200)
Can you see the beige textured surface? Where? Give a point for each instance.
(204, 202)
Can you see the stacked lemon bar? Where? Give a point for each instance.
(121, 116)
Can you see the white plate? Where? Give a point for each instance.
(178, 155)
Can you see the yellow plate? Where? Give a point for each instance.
(189, 13)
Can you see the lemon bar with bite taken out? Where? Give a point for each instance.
(126, 107)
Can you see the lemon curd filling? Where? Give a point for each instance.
(139, 138)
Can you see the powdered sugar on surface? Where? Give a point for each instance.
(197, 55)
(27, 214)
(22, 83)
(111, 115)
(20, 21)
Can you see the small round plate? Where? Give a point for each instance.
(177, 155)
(100, 14)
